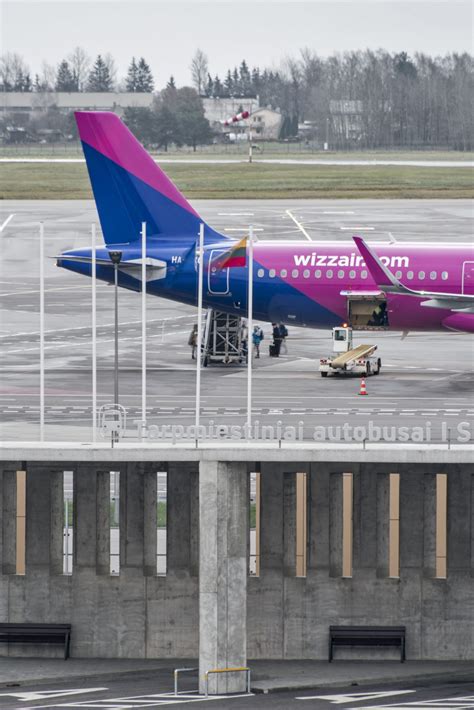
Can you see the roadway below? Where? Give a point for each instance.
(426, 380)
(362, 685)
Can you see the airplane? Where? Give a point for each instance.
(384, 286)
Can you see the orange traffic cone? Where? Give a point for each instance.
(363, 389)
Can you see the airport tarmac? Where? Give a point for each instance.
(426, 380)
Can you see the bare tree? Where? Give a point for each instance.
(13, 72)
(199, 71)
(80, 63)
(109, 62)
(48, 76)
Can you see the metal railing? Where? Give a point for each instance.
(176, 672)
(243, 669)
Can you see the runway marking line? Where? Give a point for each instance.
(140, 701)
(84, 327)
(7, 220)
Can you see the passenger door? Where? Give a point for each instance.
(217, 279)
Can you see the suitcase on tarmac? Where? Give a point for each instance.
(273, 350)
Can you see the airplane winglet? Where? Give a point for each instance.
(381, 275)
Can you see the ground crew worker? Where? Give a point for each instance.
(283, 335)
(276, 339)
(192, 341)
(257, 337)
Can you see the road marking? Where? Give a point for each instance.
(47, 290)
(354, 697)
(8, 219)
(357, 229)
(242, 229)
(298, 224)
(47, 694)
(105, 325)
(141, 701)
(440, 703)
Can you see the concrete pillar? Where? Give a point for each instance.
(223, 507)
(459, 521)
(44, 519)
(383, 524)
(318, 518)
(411, 520)
(181, 522)
(8, 526)
(103, 522)
(132, 538)
(364, 520)
(289, 524)
(150, 500)
(335, 524)
(91, 512)
(271, 518)
(429, 525)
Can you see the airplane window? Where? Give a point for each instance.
(444, 275)
(433, 275)
(340, 274)
(317, 274)
(271, 273)
(410, 275)
(421, 275)
(294, 273)
(306, 273)
(398, 274)
(260, 273)
(352, 274)
(329, 273)
(283, 273)
(363, 274)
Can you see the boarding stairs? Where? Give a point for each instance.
(224, 338)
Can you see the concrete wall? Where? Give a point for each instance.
(138, 614)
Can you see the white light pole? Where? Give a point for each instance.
(41, 333)
(94, 335)
(143, 325)
(199, 330)
(250, 331)
(116, 257)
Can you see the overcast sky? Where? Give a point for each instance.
(261, 31)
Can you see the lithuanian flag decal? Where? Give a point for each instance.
(235, 256)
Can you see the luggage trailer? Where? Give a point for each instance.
(348, 360)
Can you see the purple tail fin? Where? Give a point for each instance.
(129, 187)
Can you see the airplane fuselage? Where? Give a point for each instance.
(318, 284)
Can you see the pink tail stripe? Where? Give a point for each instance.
(105, 132)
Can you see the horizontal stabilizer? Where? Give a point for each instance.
(155, 268)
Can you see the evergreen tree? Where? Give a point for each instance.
(131, 78)
(142, 123)
(236, 83)
(65, 79)
(245, 79)
(209, 90)
(219, 90)
(145, 82)
(166, 127)
(229, 84)
(27, 85)
(194, 128)
(99, 76)
(171, 83)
